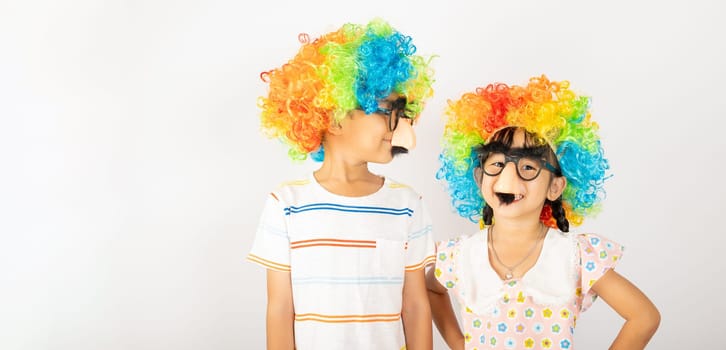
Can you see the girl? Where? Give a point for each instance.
(528, 162)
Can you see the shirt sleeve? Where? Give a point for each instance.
(420, 244)
(271, 248)
(597, 256)
(445, 269)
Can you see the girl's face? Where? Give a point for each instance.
(522, 184)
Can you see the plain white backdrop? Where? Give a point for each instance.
(133, 172)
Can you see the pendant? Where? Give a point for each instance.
(508, 276)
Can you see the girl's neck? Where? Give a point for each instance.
(517, 230)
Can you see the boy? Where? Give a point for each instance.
(345, 249)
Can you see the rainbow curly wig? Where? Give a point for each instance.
(543, 107)
(353, 67)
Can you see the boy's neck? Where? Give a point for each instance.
(350, 180)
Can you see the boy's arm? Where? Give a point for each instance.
(641, 316)
(280, 311)
(415, 313)
(443, 313)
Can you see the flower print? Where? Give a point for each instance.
(512, 313)
(546, 343)
(595, 241)
(529, 312)
(603, 255)
(510, 343)
(556, 328)
(578, 291)
(520, 298)
(450, 243)
(512, 283)
(468, 310)
(609, 245)
(529, 343)
(483, 339)
(449, 284)
(565, 344)
(565, 313)
(547, 313)
(467, 337)
(495, 312)
(493, 341)
(538, 328)
(437, 272)
(442, 256)
(476, 323)
(505, 299)
(590, 266)
(519, 328)
(502, 327)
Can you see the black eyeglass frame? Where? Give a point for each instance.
(398, 106)
(516, 158)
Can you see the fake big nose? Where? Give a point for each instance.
(404, 136)
(508, 180)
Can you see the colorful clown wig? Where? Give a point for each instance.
(546, 108)
(353, 67)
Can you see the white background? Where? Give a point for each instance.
(132, 170)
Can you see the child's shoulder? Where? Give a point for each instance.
(585, 240)
(287, 191)
(475, 238)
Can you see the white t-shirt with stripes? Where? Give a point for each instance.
(347, 257)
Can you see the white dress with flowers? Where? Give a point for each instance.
(536, 311)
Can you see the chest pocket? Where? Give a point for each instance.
(390, 258)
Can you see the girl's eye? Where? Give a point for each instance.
(497, 164)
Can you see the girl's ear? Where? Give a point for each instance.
(557, 186)
(478, 174)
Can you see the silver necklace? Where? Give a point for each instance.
(510, 269)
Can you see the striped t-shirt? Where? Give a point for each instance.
(347, 257)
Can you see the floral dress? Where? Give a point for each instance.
(536, 311)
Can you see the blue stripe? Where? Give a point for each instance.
(420, 232)
(348, 280)
(347, 208)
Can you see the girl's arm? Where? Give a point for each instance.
(280, 311)
(415, 313)
(443, 313)
(641, 316)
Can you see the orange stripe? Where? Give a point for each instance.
(332, 240)
(348, 318)
(332, 245)
(274, 196)
(267, 263)
(351, 321)
(428, 260)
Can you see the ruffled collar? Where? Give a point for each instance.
(551, 281)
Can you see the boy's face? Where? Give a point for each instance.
(368, 138)
(508, 193)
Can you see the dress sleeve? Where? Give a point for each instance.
(445, 269)
(597, 256)
(420, 244)
(271, 248)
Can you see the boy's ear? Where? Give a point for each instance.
(557, 186)
(335, 128)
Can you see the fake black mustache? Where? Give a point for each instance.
(396, 150)
(505, 198)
